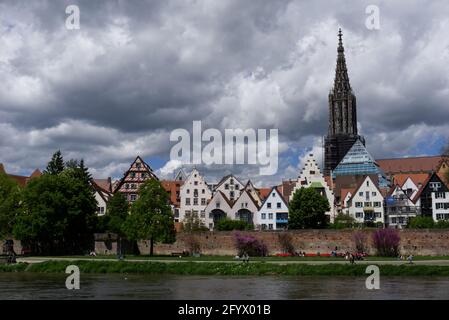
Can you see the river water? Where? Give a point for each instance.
(120, 286)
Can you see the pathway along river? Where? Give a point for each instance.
(120, 286)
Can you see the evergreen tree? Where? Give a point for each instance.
(307, 210)
(151, 217)
(56, 164)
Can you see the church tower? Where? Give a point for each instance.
(342, 132)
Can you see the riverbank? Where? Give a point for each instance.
(234, 269)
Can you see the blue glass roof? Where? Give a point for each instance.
(358, 161)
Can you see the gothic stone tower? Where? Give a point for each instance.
(342, 115)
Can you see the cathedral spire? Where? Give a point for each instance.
(341, 82)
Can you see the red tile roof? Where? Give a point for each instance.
(410, 165)
(417, 178)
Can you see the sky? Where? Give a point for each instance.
(136, 70)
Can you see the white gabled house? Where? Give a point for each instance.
(194, 195)
(273, 214)
(244, 208)
(219, 207)
(230, 186)
(311, 176)
(367, 203)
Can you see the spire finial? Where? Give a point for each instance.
(340, 41)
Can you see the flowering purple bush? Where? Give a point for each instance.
(360, 241)
(250, 246)
(386, 242)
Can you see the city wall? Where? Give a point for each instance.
(416, 242)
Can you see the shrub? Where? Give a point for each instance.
(421, 223)
(343, 221)
(360, 241)
(442, 224)
(386, 242)
(229, 225)
(250, 246)
(286, 242)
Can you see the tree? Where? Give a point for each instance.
(151, 216)
(10, 194)
(307, 210)
(58, 216)
(56, 164)
(117, 212)
(342, 221)
(193, 223)
(421, 222)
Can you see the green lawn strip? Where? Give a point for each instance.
(211, 268)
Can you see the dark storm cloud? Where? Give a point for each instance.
(138, 69)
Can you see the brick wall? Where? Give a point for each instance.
(417, 242)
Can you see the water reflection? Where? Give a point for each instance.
(117, 286)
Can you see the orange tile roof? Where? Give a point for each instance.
(344, 192)
(417, 178)
(412, 164)
(264, 192)
(105, 184)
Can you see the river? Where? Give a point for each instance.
(120, 286)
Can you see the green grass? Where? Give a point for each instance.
(234, 269)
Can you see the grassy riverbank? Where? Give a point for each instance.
(211, 268)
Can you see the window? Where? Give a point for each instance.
(188, 191)
(374, 193)
(442, 205)
(359, 204)
(377, 204)
(378, 215)
(269, 205)
(187, 213)
(195, 183)
(203, 214)
(393, 220)
(270, 226)
(264, 216)
(312, 172)
(231, 181)
(367, 195)
(133, 186)
(226, 186)
(401, 220)
(203, 201)
(188, 201)
(217, 205)
(270, 216)
(273, 194)
(203, 191)
(368, 204)
(231, 194)
(138, 165)
(359, 215)
(367, 183)
(440, 195)
(195, 192)
(133, 174)
(236, 187)
(127, 186)
(278, 205)
(264, 226)
(435, 185)
(195, 201)
(143, 175)
(133, 197)
(361, 194)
